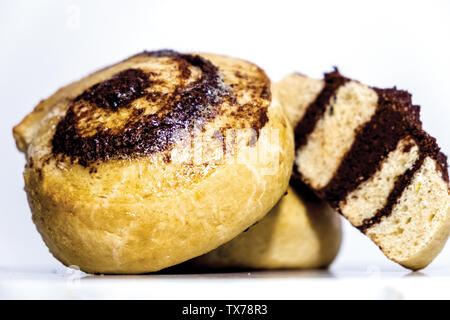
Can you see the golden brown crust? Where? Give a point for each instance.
(144, 211)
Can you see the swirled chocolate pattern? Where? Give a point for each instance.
(138, 111)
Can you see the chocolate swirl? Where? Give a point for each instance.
(138, 112)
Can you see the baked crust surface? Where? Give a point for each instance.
(298, 233)
(155, 160)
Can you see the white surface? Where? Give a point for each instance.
(318, 284)
(45, 44)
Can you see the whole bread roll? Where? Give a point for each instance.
(155, 160)
(363, 149)
(300, 232)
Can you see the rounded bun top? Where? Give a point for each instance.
(149, 102)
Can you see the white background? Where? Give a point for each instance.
(46, 44)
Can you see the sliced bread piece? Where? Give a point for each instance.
(364, 151)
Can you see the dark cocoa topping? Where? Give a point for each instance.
(86, 138)
(119, 91)
(316, 109)
(442, 165)
(163, 53)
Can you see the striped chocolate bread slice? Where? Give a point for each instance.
(364, 151)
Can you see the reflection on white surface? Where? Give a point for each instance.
(357, 283)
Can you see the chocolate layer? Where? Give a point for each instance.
(427, 148)
(83, 137)
(119, 91)
(394, 119)
(400, 185)
(316, 109)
